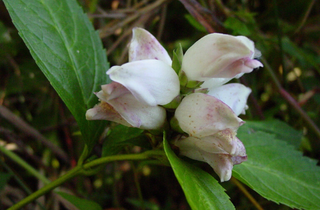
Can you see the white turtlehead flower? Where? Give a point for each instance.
(212, 126)
(220, 56)
(139, 86)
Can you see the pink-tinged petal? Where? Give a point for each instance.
(119, 105)
(202, 115)
(219, 56)
(111, 91)
(223, 142)
(103, 111)
(238, 159)
(221, 164)
(235, 95)
(150, 81)
(145, 46)
(198, 149)
(208, 144)
(139, 114)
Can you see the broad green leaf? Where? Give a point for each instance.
(278, 172)
(119, 137)
(201, 189)
(80, 203)
(281, 130)
(69, 52)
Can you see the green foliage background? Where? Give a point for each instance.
(287, 34)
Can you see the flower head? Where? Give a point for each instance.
(139, 86)
(212, 126)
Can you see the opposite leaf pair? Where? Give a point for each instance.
(142, 86)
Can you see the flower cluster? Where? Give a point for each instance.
(208, 109)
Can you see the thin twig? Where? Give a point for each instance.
(107, 30)
(291, 100)
(26, 128)
(305, 16)
(246, 193)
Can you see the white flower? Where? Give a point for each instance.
(220, 56)
(212, 128)
(119, 105)
(139, 86)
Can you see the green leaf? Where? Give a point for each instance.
(80, 203)
(69, 52)
(278, 172)
(237, 26)
(119, 137)
(201, 189)
(281, 130)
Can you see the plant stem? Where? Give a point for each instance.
(24, 164)
(81, 169)
(70, 174)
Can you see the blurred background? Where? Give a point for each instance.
(33, 117)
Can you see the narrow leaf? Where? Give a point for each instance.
(278, 172)
(69, 52)
(80, 203)
(200, 188)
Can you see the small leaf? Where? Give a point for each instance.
(119, 137)
(278, 172)
(65, 46)
(80, 203)
(201, 189)
(177, 59)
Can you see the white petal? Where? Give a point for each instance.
(221, 163)
(103, 111)
(150, 81)
(145, 46)
(215, 82)
(119, 105)
(202, 115)
(139, 114)
(218, 56)
(235, 95)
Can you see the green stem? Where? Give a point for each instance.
(82, 170)
(70, 174)
(24, 164)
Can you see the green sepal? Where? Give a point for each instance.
(177, 59)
